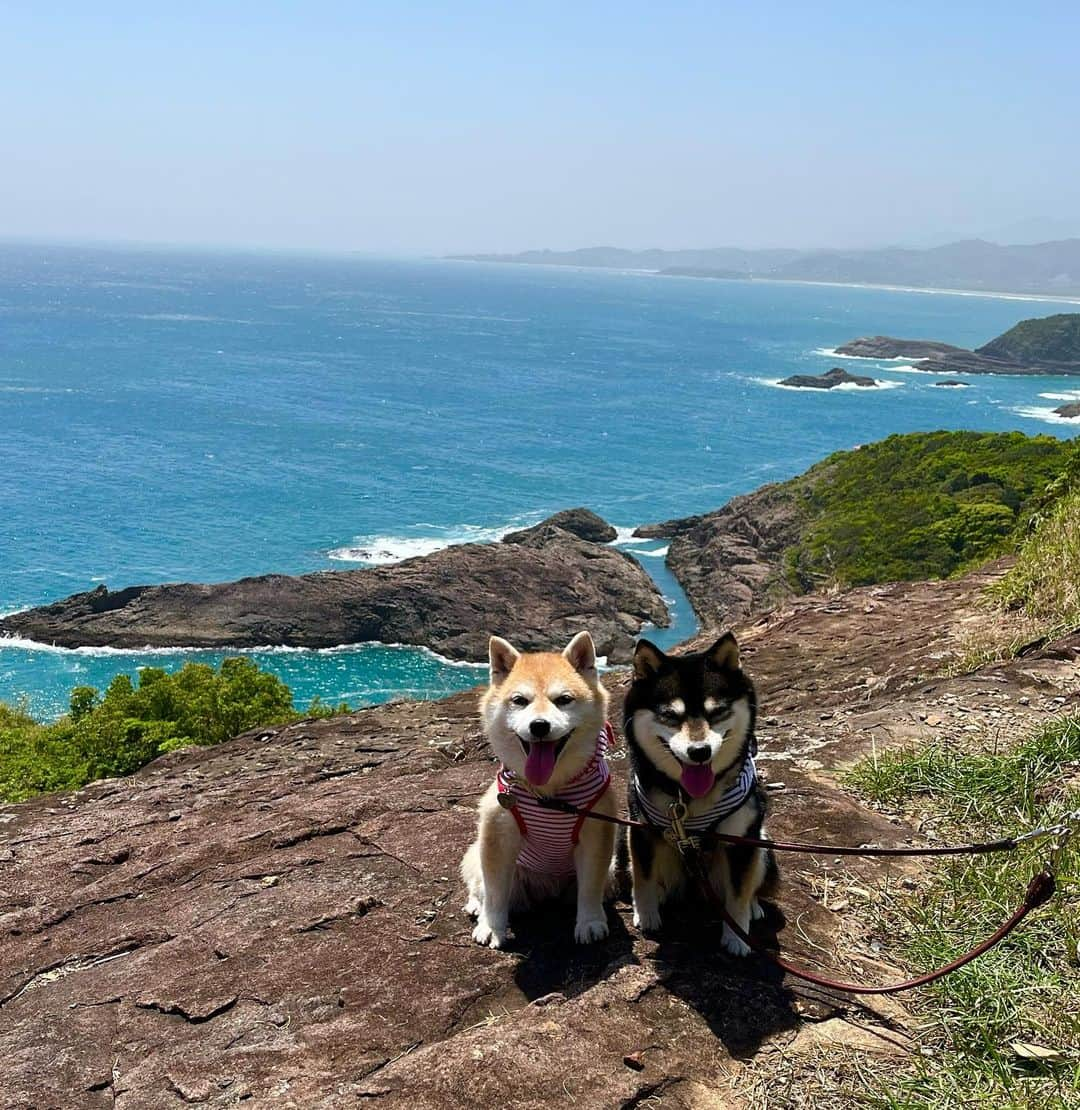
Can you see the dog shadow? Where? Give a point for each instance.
(743, 999)
(554, 964)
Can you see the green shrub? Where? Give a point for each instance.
(133, 723)
(918, 506)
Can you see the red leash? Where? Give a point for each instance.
(1040, 889)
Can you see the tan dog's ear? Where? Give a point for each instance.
(724, 654)
(648, 659)
(580, 653)
(502, 656)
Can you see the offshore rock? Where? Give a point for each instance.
(539, 592)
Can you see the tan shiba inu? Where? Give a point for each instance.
(545, 716)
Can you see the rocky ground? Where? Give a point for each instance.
(277, 920)
(544, 587)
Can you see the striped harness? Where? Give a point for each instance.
(724, 806)
(548, 837)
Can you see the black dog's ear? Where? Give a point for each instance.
(648, 659)
(724, 654)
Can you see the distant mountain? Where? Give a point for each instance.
(974, 264)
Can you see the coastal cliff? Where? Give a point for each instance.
(1042, 346)
(907, 507)
(542, 589)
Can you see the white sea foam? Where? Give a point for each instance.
(21, 643)
(381, 550)
(846, 387)
(1070, 395)
(1047, 415)
(659, 553)
(832, 352)
(626, 536)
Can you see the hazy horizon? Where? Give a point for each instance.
(427, 132)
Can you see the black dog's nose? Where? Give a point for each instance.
(539, 728)
(699, 753)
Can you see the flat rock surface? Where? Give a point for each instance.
(540, 591)
(277, 919)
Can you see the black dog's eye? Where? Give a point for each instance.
(720, 712)
(519, 700)
(563, 700)
(667, 715)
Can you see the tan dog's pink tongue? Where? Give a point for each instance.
(540, 763)
(697, 779)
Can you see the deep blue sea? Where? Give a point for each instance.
(200, 416)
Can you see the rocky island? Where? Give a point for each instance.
(1040, 346)
(544, 586)
(829, 380)
(1071, 410)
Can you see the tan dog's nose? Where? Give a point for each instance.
(539, 728)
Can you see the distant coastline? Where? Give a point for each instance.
(1038, 272)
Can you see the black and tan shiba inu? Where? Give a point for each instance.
(545, 715)
(689, 723)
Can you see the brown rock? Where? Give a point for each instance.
(583, 523)
(542, 590)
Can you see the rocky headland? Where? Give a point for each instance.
(829, 380)
(542, 588)
(1050, 345)
(276, 920)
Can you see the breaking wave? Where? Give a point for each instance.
(376, 551)
(1047, 415)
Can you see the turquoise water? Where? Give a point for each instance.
(180, 416)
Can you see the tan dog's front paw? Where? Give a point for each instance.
(488, 935)
(590, 930)
(472, 907)
(648, 921)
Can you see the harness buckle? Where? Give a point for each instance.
(507, 800)
(684, 842)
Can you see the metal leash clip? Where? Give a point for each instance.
(677, 834)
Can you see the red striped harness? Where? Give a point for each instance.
(548, 837)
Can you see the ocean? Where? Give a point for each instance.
(174, 415)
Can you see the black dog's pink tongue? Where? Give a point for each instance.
(540, 762)
(697, 779)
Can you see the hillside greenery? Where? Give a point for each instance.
(1051, 339)
(924, 505)
(116, 733)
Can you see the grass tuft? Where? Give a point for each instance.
(1026, 990)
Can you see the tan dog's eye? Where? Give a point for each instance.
(519, 700)
(563, 700)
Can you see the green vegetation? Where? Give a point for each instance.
(977, 1023)
(133, 723)
(1045, 582)
(917, 506)
(1051, 339)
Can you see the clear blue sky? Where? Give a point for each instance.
(420, 128)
